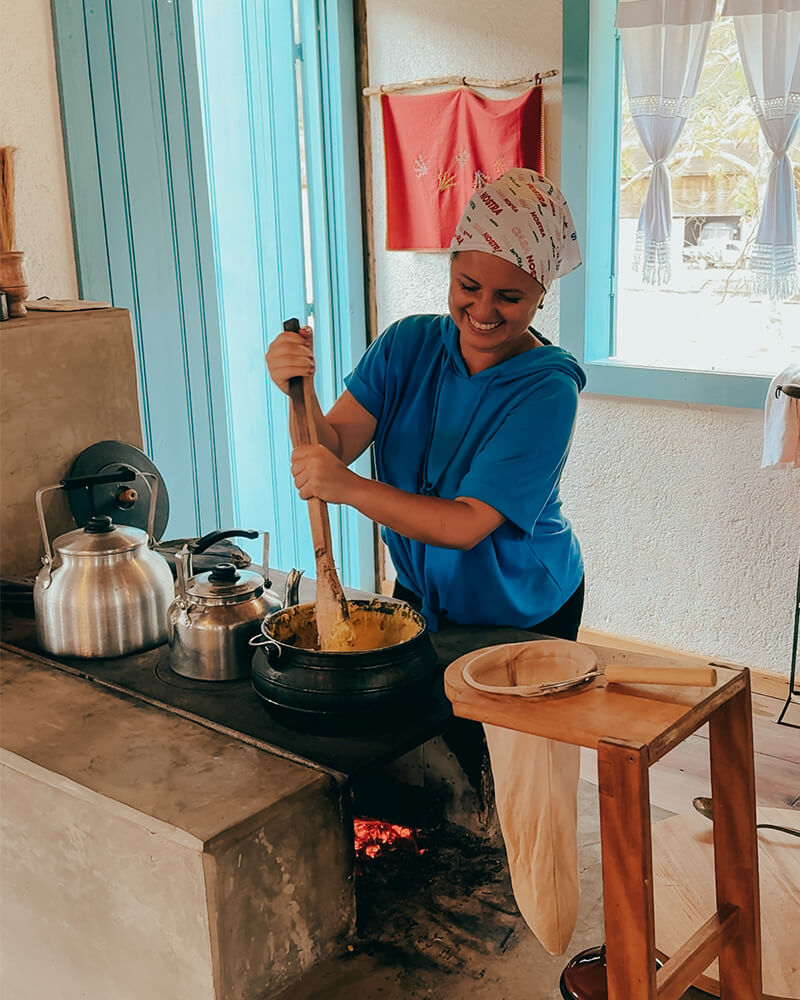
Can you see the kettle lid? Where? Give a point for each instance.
(225, 582)
(100, 536)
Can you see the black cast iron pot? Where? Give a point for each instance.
(350, 691)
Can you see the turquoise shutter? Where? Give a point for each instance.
(247, 70)
(334, 191)
(183, 148)
(142, 229)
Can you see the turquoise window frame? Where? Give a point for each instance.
(590, 139)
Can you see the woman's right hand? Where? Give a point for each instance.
(290, 355)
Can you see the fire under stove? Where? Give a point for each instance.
(233, 708)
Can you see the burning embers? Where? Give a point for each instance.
(375, 838)
(409, 815)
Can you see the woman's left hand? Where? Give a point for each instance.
(319, 473)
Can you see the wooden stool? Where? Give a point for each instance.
(631, 727)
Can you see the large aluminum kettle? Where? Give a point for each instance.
(215, 614)
(105, 592)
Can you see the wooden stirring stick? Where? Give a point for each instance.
(334, 628)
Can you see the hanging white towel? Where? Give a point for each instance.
(782, 422)
(536, 793)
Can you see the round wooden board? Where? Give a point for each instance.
(683, 875)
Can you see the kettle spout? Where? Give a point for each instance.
(292, 595)
(45, 575)
(183, 565)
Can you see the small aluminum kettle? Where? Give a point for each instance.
(105, 593)
(215, 614)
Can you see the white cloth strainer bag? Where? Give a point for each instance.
(536, 790)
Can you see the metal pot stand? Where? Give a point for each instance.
(125, 503)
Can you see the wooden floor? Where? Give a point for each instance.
(684, 773)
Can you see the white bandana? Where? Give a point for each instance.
(523, 218)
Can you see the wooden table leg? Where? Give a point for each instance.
(735, 845)
(624, 790)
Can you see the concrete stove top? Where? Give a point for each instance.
(233, 708)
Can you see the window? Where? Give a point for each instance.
(704, 337)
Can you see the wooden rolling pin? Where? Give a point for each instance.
(334, 628)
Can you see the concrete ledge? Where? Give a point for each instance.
(149, 857)
(10, 761)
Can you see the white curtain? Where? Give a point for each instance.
(768, 32)
(663, 47)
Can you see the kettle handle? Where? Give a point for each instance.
(216, 536)
(124, 474)
(183, 567)
(292, 595)
(265, 558)
(47, 558)
(151, 513)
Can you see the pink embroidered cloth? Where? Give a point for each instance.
(439, 148)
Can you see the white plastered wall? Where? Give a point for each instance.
(688, 543)
(418, 39)
(30, 120)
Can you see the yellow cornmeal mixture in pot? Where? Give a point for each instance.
(376, 625)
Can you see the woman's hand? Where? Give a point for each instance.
(319, 473)
(290, 355)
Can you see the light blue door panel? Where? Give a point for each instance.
(152, 237)
(250, 114)
(183, 148)
(331, 144)
(80, 142)
(143, 263)
(195, 275)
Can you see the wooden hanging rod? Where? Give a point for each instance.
(462, 81)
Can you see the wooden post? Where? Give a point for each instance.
(735, 845)
(624, 789)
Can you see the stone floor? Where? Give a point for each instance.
(445, 925)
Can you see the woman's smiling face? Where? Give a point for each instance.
(492, 303)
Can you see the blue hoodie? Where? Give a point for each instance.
(501, 436)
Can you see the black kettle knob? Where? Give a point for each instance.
(98, 524)
(223, 573)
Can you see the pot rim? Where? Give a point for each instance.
(349, 653)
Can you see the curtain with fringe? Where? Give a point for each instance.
(768, 33)
(663, 47)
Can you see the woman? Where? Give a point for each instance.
(471, 415)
